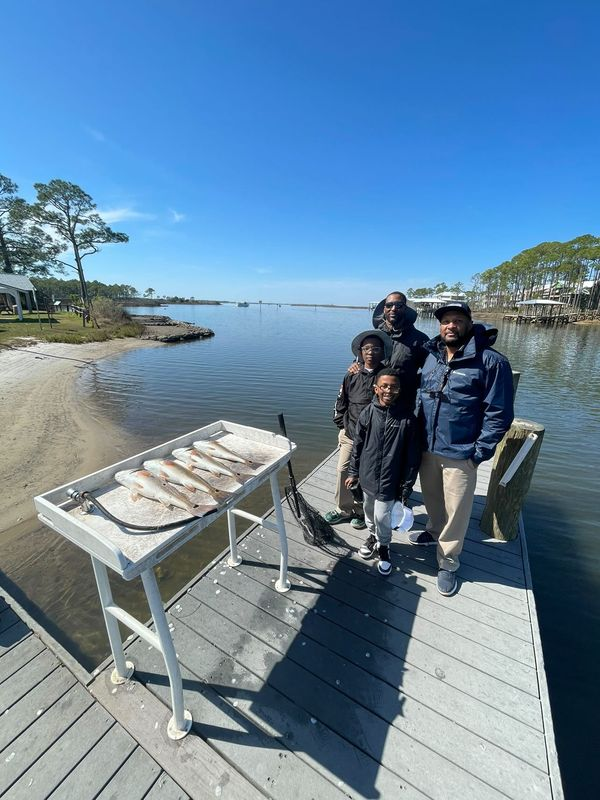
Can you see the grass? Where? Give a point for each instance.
(64, 327)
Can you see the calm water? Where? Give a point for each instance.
(263, 361)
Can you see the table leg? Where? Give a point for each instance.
(283, 584)
(123, 669)
(234, 559)
(181, 722)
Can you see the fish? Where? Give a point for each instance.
(177, 472)
(192, 457)
(142, 483)
(219, 450)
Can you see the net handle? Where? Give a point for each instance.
(283, 430)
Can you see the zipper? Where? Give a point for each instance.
(438, 403)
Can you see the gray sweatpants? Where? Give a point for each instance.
(378, 516)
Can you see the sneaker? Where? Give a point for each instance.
(358, 523)
(384, 565)
(446, 582)
(369, 548)
(335, 517)
(422, 538)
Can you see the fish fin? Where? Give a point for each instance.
(189, 486)
(166, 505)
(134, 496)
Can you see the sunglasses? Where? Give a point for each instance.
(395, 304)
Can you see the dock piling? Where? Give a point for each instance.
(508, 487)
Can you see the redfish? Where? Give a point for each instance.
(176, 472)
(192, 457)
(142, 483)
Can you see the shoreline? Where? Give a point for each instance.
(50, 438)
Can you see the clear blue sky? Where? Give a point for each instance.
(308, 151)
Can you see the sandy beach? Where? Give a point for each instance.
(48, 437)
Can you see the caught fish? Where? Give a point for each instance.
(142, 483)
(177, 472)
(191, 456)
(219, 450)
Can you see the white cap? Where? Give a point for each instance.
(402, 517)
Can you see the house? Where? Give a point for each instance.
(13, 286)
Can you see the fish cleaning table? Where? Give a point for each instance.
(132, 554)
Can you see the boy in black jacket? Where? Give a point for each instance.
(385, 459)
(356, 392)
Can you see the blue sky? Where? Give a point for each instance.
(308, 151)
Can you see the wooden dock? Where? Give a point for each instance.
(350, 685)
(55, 739)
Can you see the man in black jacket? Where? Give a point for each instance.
(385, 460)
(395, 318)
(356, 392)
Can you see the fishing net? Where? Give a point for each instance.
(315, 529)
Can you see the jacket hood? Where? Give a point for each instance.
(482, 336)
(410, 315)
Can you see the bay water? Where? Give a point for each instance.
(269, 359)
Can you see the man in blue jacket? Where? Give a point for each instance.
(466, 407)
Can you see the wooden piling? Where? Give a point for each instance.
(500, 517)
(516, 377)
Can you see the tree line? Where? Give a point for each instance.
(565, 271)
(437, 289)
(56, 232)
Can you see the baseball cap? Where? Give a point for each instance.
(453, 305)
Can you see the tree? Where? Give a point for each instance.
(70, 213)
(149, 293)
(24, 246)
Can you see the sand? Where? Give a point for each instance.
(48, 436)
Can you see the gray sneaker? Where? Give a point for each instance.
(446, 582)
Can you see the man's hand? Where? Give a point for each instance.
(351, 482)
(354, 368)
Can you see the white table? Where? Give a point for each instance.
(130, 554)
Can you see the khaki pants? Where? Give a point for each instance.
(344, 500)
(448, 486)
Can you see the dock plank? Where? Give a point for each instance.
(23, 680)
(53, 766)
(27, 748)
(32, 705)
(295, 609)
(12, 635)
(183, 760)
(365, 578)
(97, 768)
(420, 561)
(274, 746)
(19, 656)
(325, 677)
(165, 788)
(134, 779)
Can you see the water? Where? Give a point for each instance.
(263, 361)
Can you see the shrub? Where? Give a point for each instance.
(107, 312)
